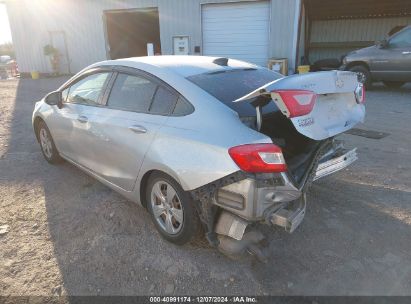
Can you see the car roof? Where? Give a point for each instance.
(187, 65)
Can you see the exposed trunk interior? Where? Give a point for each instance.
(336, 105)
(300, 113)
(129, 31)
(298, 150)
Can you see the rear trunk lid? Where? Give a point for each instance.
(335, 110)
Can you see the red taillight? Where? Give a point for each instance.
(360, 94)
(296, 102)
(259, 158)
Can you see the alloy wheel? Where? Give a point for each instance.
(167, 208)
(46, 143)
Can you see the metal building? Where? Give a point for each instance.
(86, 31)
(336, 27)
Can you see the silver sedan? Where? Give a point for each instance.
(205, 144)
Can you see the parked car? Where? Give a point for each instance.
(203, 143)
(4, 58)
(388, 61)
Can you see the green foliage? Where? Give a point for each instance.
(49, 50)
(7, 49)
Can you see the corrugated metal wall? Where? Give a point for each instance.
(282, 29)
(350, 30)
(82, 21)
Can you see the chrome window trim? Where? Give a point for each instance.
(115, 70)
(139, 73)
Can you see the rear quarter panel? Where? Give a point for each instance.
(195, 151)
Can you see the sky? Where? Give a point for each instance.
(5, 35)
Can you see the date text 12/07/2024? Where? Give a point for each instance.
(206, 299)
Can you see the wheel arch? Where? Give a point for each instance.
(36, 122)
(144, 181)
(356, 63)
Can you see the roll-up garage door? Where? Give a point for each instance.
(237, 30)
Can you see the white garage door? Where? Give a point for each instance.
(237, 30)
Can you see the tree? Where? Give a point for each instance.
(7, 49)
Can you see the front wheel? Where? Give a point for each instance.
(172, 210)
(363, 75)
(394, 84)
(48, 148)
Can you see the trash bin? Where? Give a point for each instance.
(302, 69)
(35, 75)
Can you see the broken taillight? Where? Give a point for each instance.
(360, 94)
(294, 102)
(258, 158)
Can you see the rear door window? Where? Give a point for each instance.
(164, 101)
(131, 93)
(183, 107)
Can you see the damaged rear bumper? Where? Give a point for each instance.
(275, 199)
(336, 164)
(290, 217)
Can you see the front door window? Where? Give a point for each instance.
(88, 90)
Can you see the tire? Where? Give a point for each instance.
(363, 74)
(48, 148)
(172, 210)
(393, 84)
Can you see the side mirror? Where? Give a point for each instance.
(382, 44)
(54, 99)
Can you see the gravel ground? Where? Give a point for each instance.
(70, 235)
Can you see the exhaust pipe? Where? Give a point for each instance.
(291, 217)
(234, 241)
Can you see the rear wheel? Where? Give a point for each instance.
(363, 75)
(172, 210)
(48, 148)
(393, 84)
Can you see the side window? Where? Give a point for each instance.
(401, 40)
(88, 90)
(183, 107)
(131, 93)
(164, 101)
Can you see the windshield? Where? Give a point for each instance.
(401, 40)
(230, 85)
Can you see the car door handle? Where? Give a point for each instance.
(138, 129)
(406, 53)
(82, 119)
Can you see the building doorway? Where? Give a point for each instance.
(58, 41)
(129, 31)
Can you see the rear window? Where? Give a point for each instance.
(230, 85)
